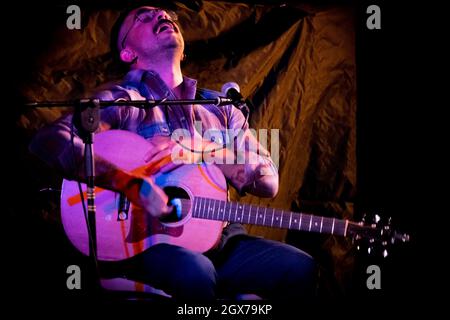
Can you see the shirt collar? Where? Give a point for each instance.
(156, 85)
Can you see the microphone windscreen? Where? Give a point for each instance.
(230, 85)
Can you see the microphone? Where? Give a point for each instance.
(232, 91)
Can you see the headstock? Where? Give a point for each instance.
(375, 235)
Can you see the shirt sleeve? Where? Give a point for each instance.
(253, 161)
(53, 143)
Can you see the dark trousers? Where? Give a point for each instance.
(246, 264)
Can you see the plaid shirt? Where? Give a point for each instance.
(151, 122)
(160, 120)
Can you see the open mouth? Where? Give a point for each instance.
(164, 25)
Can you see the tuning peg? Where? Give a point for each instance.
(405, 237)
(377, 218)
(364, 217)
(385, 253)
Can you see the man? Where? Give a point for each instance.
(150, 42)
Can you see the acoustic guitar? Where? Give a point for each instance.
(198, 193)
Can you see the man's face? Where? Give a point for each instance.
(148, 30)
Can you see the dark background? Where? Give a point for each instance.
(390, 149)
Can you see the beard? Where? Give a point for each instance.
(166, 49)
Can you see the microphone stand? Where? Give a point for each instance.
(142, 104)
(86, 119)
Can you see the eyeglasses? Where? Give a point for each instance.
(145, 16)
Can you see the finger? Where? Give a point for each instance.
(156, 165)
(156, 157)
(166, 210)
(153, 151)
(157, 208)
(169, 167)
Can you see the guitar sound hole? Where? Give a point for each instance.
(180, 201)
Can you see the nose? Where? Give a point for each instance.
(162, 15)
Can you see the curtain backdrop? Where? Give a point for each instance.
(297, 65)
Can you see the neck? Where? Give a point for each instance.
(169, 71)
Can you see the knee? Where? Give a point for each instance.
(195, 277)
(195, 267)
(303, 267)
(301, 275)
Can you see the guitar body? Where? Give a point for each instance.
(120, 237)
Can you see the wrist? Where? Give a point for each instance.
(127, 183)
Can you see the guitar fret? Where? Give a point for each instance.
(229, 211)
(242, 213)
(219, 202)
(332, 227)
(295, 219)
(273, 213)
(300, 224)
(310, 222)
(257, 209)
(225, 210)
(209, 208)
(281, 219)
(214, 210)
(321, 224)
(205, 212)
(264, 220)
(218, 209)
(194, 209)
(235, 213)
(315, 226)
(290, 220)
(217, 212)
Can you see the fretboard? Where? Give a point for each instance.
(211, 209)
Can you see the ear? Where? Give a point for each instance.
(127, 55)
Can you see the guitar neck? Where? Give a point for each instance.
(211, 209)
